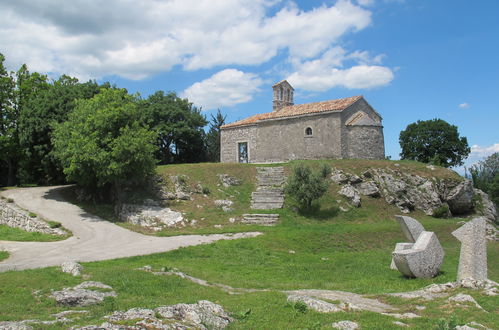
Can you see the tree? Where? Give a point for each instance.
(104, 144)
(433, 141)
(179, 127)
(8, 125)
(213, 137)
(49, 106)
(485, 176)
(306, 185)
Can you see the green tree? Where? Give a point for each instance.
(485, 176)
(306, 185)
(49, 106)
(213, 137)
(433, 141)
(104, 144)
(8, 122)
(179, 127)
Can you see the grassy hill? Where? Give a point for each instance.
(322, 249)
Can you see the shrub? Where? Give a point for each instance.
(206, 190)
(54, 224)
(32, 215)
(306, 185)
(441, 212)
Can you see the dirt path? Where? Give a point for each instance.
(93, 238)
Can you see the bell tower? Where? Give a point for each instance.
(283, 95)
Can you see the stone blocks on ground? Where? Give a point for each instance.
(71, 267)
(260, 219)
(473, 256)
(423, 259)
(269, 193)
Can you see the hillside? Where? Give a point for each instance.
(335, 246)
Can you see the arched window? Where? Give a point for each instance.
(308, 131)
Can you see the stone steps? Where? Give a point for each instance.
(260, 219)
(269, 193)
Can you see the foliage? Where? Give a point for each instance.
(433, 141)
(485, 176)
(179, 127)
(447, 324)
(306, 185)
(8, 125)
(441, 212)
(104, 144)
(213, 137)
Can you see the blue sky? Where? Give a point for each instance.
(412, 60)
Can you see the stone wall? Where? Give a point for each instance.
(281, 140)
(15, 217)
(365, 142)
(229, 139)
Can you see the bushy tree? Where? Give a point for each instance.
(179, 127)
(8, 126)
(213, 137)
(485, 176)
(433, 141)
(104, 143)
(306, 185)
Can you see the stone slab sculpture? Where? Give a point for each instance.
(411, 229)
(423, 259)
(423, 256)
(473, 256)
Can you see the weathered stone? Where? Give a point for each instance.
(351, 194)
(223, 202)
(131, 314)
(11, 325)
(13, 216)
(472, 326)
(486, 207)
(82, 295)
(400, 247)
(353, 179)
(269, 193)
(72, 267)
(473, 256)
(151, 216)
(460, 199)
(400, 324)
(345, 325)
(368, 188)
(315, 304)
(423, 259)
(464, 298)
(228, 180)
(264, 219)
(410, 227)
(403, 316)
(202, 313)
(339, 177)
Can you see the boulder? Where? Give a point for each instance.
(72, 267)
(203, 313)
(486, 207)
(351, 194)
(83, 295)
(339, 177)
(150, 216)
(368, 188)
(345, 325)
(460, 199)
(228, 180)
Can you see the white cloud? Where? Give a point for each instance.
(136, 39)
(328, 72)
(224, 89)
(464, 106)
(365, 2)
(482, 152)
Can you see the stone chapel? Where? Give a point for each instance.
(343, 128)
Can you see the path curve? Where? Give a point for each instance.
(93, 238)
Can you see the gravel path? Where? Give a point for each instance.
(93, 238)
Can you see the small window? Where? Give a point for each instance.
(308, 131)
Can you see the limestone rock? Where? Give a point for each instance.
(423, 259)
(202, 313)
(464, 298)
(72, 267)
(82, 295)
(153, 217)
(368, 188)
(228, 180)
(473, 256)
(223, 202)
(460, 199)
(403, 316)
(351, 194)
(353, 179)
(339, 177)
(486, 208)
(11, 325)
(131, 314)
(345, 325)
(315, 304)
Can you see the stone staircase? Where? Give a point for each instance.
(260, 219)
(269, 193)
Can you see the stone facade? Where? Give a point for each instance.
(345, 128)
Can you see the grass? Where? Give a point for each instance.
(15, 234)
(4, 255)
(334, 250)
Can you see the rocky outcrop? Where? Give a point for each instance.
(409, 192)
(151, 216)
(228, 181)
(13, 216)
(72, 268)
(83, 294)
(202, 315)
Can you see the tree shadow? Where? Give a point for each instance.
(318, 213)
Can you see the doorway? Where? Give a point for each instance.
(243, 152)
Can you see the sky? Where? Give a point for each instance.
(411, 59)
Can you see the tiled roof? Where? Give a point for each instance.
(298, 110)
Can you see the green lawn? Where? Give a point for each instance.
(3, 255)
(14, 234)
